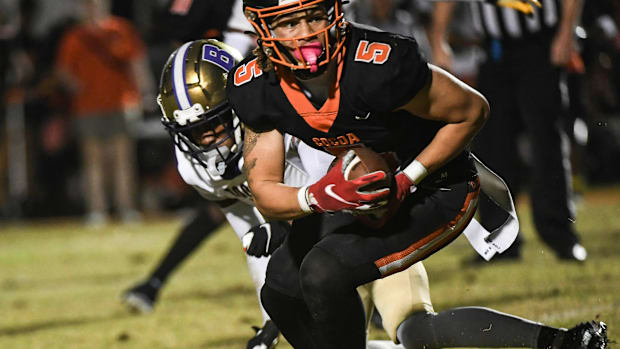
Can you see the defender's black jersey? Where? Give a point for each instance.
(377, 73)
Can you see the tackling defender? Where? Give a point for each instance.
(208, 143)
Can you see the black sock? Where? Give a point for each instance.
(191, 236)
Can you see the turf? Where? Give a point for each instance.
(60, 283)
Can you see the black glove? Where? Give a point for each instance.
(261, 240)
(524, 6)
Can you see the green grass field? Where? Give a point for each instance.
(60, 283)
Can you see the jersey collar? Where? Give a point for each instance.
(323, 118)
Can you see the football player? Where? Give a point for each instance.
(207, 138)
(208, 143)
(336, 85)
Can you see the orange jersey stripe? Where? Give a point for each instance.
(321, 119)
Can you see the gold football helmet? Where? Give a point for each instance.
(192, 97)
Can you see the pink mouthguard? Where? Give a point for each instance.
(310, 53)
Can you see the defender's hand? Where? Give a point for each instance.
(261, 240)
(334, 192)
(524, 6)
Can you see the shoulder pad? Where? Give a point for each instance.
(392, 62)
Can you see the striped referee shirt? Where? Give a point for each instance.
(503, 23)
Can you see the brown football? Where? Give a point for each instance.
(369, 161)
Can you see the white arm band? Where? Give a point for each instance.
(303, 201)
(415, 171)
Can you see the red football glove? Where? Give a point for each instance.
(404, 186)
(334, 193)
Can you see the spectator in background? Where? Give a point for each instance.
(520, 79)
(7, 32)
(5, 36)
(102, 62)
(186, 20)
(239, 32)
(16, 69)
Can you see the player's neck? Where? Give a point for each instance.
(317, 88)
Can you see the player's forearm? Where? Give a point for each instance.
(277, 201)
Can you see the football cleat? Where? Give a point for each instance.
(265, 338)
(586, 335)
(142, 297)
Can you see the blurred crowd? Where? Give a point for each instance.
(83, 139)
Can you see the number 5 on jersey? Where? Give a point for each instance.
(372, 52)
(247, 72)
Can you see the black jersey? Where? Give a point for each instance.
(377, 73)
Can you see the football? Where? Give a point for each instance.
(366, 161)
